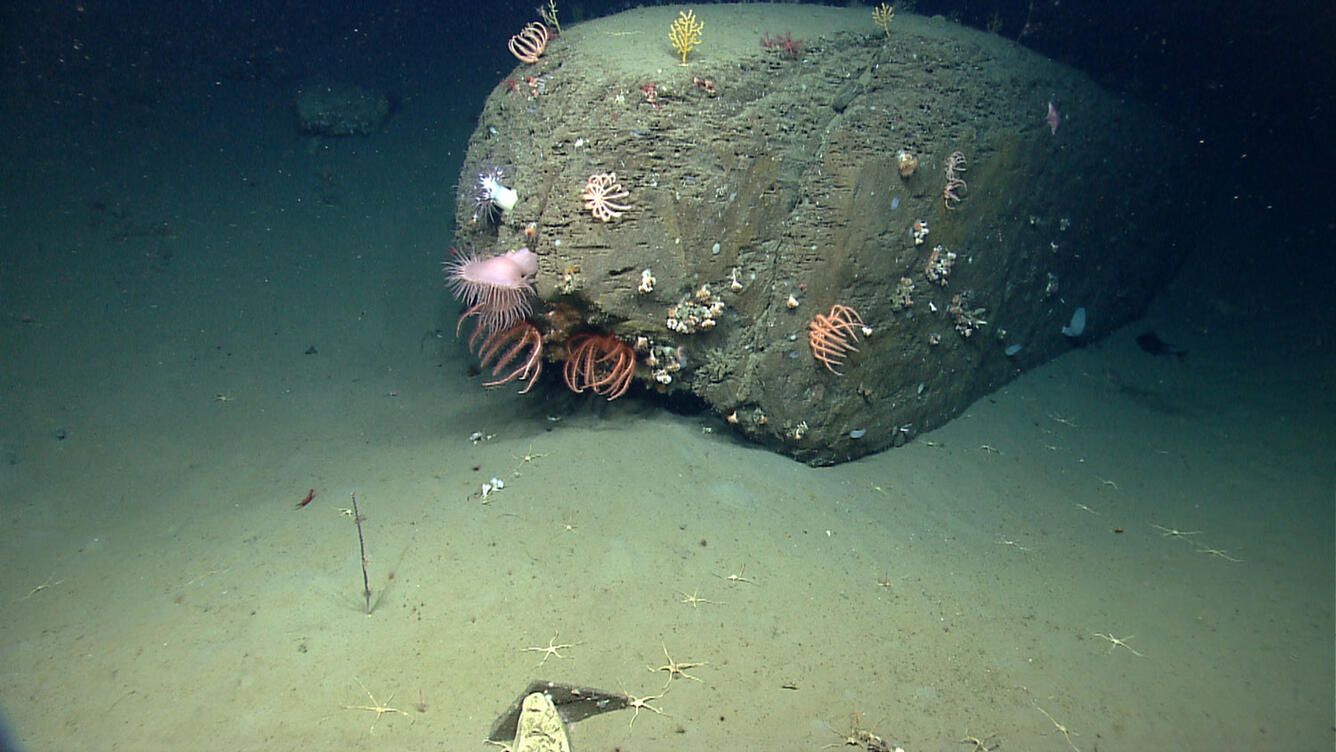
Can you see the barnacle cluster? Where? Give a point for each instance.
(903, 297)
(735, 284)
(906, 164)
(570, 280)
(920, 230)
(1050, 286)
(799, 431)
(663, 362)
(968, 320)
(696, 311)
(939, 265)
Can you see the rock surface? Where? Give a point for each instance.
(765, 188)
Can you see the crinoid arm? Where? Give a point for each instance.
(601, 363)
(832, 336)
(525, 352)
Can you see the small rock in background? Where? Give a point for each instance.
(325, 109)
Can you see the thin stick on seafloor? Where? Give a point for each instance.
(361, 543)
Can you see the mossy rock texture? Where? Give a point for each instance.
(783, 172)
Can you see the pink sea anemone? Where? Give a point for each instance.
(496, 289)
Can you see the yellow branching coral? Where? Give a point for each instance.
(685, 33)
(882, 17)
(549, 15)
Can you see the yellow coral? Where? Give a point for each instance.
(685, 33)
(882, 17)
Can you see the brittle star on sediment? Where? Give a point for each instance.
(551, 649)
(527, 458)
(1217, 552)
(693, 599)
(1169, 532)
(1066, 732)
(46, 584)
(980, 745)
(738, 577)
(638, 703)
(374, 707)
(1117, 642)
(676, 669)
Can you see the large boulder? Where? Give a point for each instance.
(772, 178)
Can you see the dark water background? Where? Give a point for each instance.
(161, 208)
(1251, 85)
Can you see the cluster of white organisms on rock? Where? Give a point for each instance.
(939, 265)
(698, 311)
(967, 320)
(903, 297)
(920, 228)
(664, 361)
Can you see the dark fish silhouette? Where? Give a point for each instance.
(1151, 343)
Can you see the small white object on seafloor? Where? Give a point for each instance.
(1077, 325)
(491, 487)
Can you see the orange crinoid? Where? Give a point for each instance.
(520, 345)
(529, 44)
(599, 362)
(832, 335)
